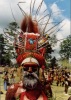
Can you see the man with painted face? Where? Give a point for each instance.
(31, 81)
(30, 88)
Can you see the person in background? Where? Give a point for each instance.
(69, 98)
(12, 77)
(6, 81)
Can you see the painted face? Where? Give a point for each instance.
(30, 78)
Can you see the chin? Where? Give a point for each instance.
(30, 81)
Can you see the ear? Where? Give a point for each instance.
(41, 74)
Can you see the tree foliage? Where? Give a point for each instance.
(49, 48)
(53, 62)
(1, 43)
(53, 40)
(6, 48)
(3, 57)
(65, 48)
(11, 29)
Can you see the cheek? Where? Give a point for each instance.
(36, 72)
(25, 72)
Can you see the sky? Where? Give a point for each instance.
(60, 11)
(64, 5)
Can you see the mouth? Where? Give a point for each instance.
(30, 81)
(30, 76)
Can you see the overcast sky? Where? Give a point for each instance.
(61, 6)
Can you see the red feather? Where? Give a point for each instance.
(28, 25)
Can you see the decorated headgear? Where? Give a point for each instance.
(29, 49)
(31, 58)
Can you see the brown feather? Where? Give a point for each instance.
(28, 25)
(24, 24)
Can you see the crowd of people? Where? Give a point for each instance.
(61, 77)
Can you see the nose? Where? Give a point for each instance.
(30, 69)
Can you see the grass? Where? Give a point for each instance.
(65, 63)
(58, 92)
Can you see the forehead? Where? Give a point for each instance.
(30, 61)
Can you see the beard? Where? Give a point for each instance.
(30, 80)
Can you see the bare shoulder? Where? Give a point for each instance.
(12, 90)
(40, 97)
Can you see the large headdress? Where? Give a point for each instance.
(28, 50)
(33, 39)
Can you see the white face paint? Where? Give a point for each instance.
(30, 60)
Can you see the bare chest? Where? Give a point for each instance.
(40, 98)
